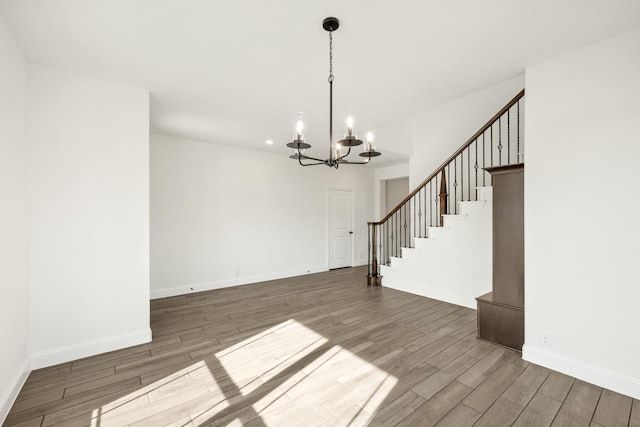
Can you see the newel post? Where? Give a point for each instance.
(372, 278)
(443, 197)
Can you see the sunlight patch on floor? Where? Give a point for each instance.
(342, 383)
(282, 376)
(309, 378)
(269, 353)
(184, 387)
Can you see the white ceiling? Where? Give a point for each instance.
(236, 72)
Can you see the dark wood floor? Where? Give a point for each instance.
(322, 350)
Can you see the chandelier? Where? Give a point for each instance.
(342, 148)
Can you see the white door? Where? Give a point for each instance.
(340, 228)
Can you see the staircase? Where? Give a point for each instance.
(438, 241)
(453, 263)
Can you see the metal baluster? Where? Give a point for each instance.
(500, 141)
(448, 189)
(392, 246)
(508, 137)
(405, 243)
(392, 252)
(469, 173)
(378, 242)
(476, 168)
(407, 222)
(391, 241)
(461, 176)
(437, 219)
(430, 204)
(419, 222)
(369, 249)
(398, 235)
(399, 241)
(383, 248)
(518, 146)
(410, 207)
(455, 186)
(420, 213)
(484, 173)
(491, 146)
(415, 214)
(387, 243)
(433, 200)
(490, 176)
(386, 246)
(424, 211)
(423, 205)
(394, 234)
(437, 201)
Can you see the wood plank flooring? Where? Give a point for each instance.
(317, 350)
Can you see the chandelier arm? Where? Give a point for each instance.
(310, 158)
(318, 161)
(312, 164)
(348, 162)
(342, 157)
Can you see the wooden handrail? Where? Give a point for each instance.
(475, 136)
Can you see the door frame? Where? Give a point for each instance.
(352, 202)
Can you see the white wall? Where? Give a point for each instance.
(381, 175)
(222, 215)
(582, 282)
(395, 192)
(14, 286)
(436, 133)
(89, 215)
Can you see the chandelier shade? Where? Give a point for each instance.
(337, 154)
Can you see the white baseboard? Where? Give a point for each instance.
(468, 302)
(225, 283)
(11, 392)
(584, 371)
(88, 348)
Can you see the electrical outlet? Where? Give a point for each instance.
(545, 339)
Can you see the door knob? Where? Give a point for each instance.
(351, 232)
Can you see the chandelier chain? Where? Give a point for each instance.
(330, 56)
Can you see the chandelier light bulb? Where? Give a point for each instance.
(299, 127)
(350, 125)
